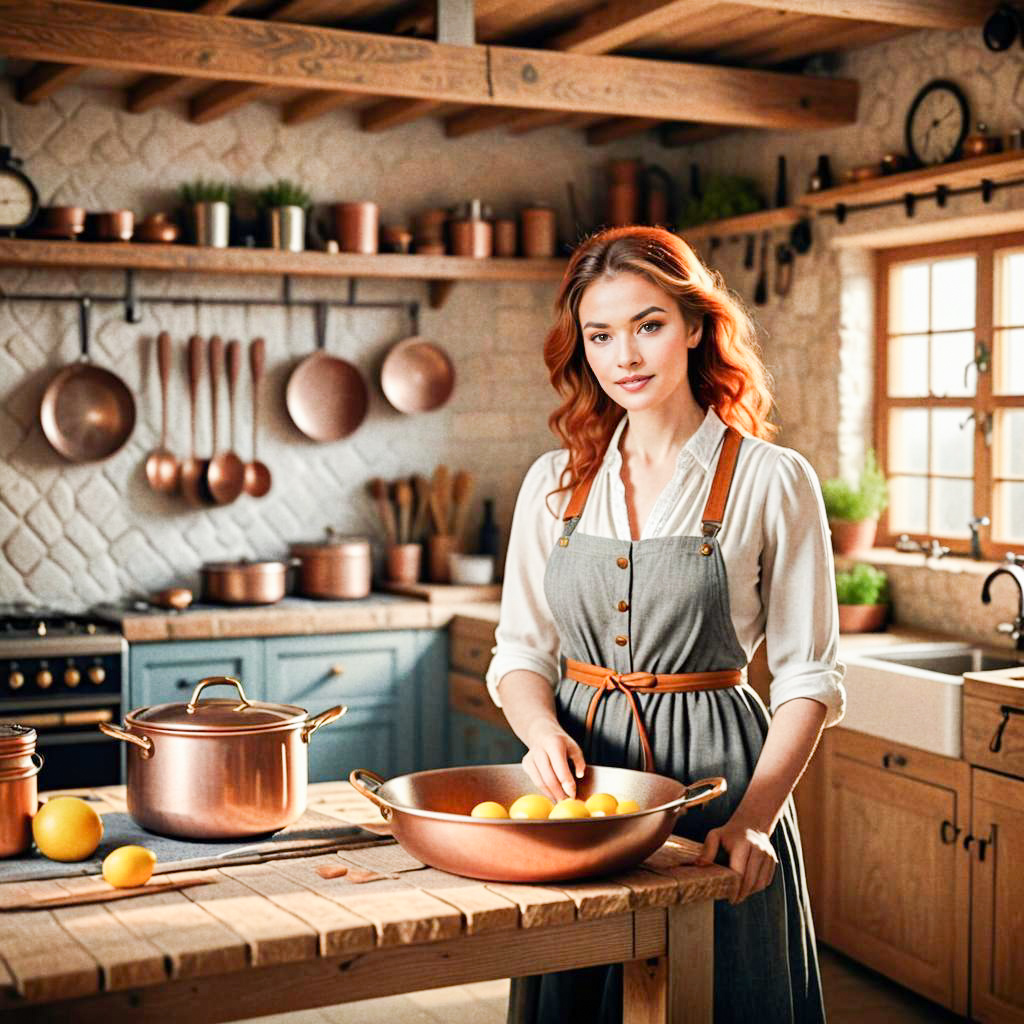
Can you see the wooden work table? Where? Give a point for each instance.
(275, 936)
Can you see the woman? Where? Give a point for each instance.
(668, 536)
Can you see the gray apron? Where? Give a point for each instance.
(668, 598)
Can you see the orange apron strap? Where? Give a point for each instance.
(578, 498)
(714, 510)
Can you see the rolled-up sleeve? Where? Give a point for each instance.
(526, 637)
(798, 591)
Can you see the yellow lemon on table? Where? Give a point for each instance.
(569, 809)
(66, 828)
(603, 802)
(532, 806)
(489, 809)
(627, 807)
(128, 866)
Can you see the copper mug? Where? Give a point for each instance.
(404, 562)
(113, 225)
(505, 237)
(356, 226)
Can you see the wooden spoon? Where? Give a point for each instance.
(422, 487)
(257, 475)
(379, 492)
(440, 491)
(463, 492)
(225, 476)
(193, 469)
(404, 499)
(162, 469)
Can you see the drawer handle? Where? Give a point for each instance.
(894, 759)
(337, 670)
(944, 833)
(996, 742)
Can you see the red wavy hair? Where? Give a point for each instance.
(725, 370)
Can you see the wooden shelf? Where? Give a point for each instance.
(440, 271)
(747, 224)
(994, 167)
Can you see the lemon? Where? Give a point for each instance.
(67, 828)
(128, 865)
(569, 809)
(604, 802)
(627, 807)
(489, 809)
(533, 805)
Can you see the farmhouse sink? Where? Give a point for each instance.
(912, 693)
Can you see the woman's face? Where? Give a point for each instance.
(636, 341)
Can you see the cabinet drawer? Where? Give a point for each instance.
(989, 723)
(469, 695)
(897, 757)
(471, 644)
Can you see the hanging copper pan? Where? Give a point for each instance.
(87, 413)
(417, 376)
(326, 396)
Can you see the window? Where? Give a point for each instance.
(950, 391)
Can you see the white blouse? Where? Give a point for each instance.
(774, 540)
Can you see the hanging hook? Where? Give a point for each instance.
(414, 317)
(131, 306)
(84, 305)
(320, 315)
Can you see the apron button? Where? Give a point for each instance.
(705, 548)
(563, 542)
(622, 640)
(622, 563)
(623, 606)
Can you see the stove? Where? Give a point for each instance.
(61, 673)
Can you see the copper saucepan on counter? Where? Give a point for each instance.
(337, 567)
(218, 768)
(429, 816)
(245, 582)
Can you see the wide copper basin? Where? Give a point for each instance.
(429, 816)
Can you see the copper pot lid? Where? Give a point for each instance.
(249, 568)
(16, 740)
(218, 715)
(417, 376)
(334, 543)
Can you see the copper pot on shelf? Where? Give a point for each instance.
(338, 567)
(356, 226)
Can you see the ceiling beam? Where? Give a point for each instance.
(221, 99)
(945, 14)
(296, 56)
(311, 105)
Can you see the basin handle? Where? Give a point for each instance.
(888, 760)
(945, 830)
(996, 743)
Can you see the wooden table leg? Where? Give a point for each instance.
(677, 987)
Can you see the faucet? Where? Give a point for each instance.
(930, 549)
(1016, 628)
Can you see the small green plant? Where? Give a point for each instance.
(202, 191)
(725, 195)
(853, 503)
(283, 193)
(863, 584)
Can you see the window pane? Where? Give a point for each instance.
(952, 442)
(1009, 520)
(952, 507)
(953, 293)
(908, 366)
(908, 299)
(908, 441)
(908, 504)
(1010, 274)
(1009, 442)
(1008, 378)
(951, 355)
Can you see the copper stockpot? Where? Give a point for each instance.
(218, 768)
(337, 567)
(429, 816)
(244, 582)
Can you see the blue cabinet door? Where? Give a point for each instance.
(382, 677)
(168, 672)
(475, 741)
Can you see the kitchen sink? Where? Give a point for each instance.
(912, 693)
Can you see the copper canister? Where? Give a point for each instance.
(538, 231)
(430, 227)
(19, 767)
(339, 567)
(356, 226)
(471, 238)
(505, 237)
(17, 744)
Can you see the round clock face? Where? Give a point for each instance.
(937, 123)
(16, 201)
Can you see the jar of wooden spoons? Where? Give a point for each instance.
(404, 556)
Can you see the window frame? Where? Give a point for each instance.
(984, 401)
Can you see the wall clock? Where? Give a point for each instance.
(937, 123)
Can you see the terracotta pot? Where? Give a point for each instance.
(849, 538)
(218, 769)
(862, 618)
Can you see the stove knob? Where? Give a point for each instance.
(44, 679)
(97, 674)
(16, 680)
(72, 677)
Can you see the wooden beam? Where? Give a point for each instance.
(616, 128)
(311, 105)
(392, 113)
(221, 99)
(44, 80)
(479, 119)
(946, 14)
(688, 134)
(622, 22)
(294, 56)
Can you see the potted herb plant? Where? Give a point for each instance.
(286, 204)
(208, 211)
(863, 595)
(853, 509)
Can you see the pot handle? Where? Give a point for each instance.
(117, 733)
(699, 792)
(368, 784)
(324, 718)
(190, 708)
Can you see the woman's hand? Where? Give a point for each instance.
(751, 855)
(551, 749)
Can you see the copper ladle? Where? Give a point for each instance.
(162, 469)
(193, 469)
(257, 478)
(225, 474)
